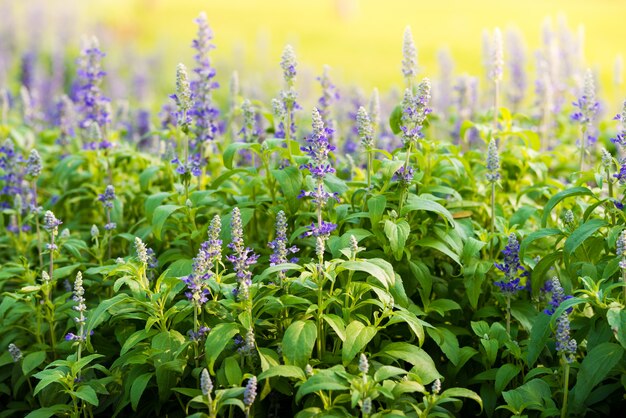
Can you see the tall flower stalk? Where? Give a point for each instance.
(493, 175)
(279, 245)
(409, 58)
(621, 252)
(107, 198)
(242, 258)
(366, 134)
(51, 224)
(80, 320)
(565, 345)
(415, 109)
(513, 271)
(588, 108)
(497, 65)
(288, 95)
(33, 170)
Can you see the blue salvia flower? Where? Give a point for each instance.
(365, 128)
(318, 147)
(511, 267)
(90, 101)
(206, 385)
(65, 119)
(215, 243)
(33, 164)
(81, 308)
(516, 67)
(409, 56)
(15, 189)
(587, 104)
(182, 97)
(288, 95)
(204, 112)
(415, 109)
(621, 249)
(200, 335)
(620, 138)
(329, 95)
(242, 257)
(279, 244)
(249, 131)
(250, 393)
(493, 162)
(142, 251)
(280, 115)
(107, 197)
(558, 296)
(565, 345)
(15, 352)
(497, 57)
(404, 176)
(374, 110)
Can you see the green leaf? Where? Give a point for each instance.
(292, 372)
(48, 411)
(434, 243)
(298, 342)
(542, 233)
(581, 233)
(538, 275)
(87, 394)
(539, 335)
(290, 181)
(357, 337)
(447, 341)
(395, 119)
(554, 200)
(424, 365)
(462, 393)
(397, 233)
(504, 375)
(233, 373)
(337, 324)
(616, 317)
(179, 268)
(376, 206)
(324, 380)
(99, 315)
(596, 366)
(65, 271)
(138, 387)
(219, 337)
(161, 214)
(418, 203)
(32, 361)
(377, 268)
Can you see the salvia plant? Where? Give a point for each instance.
(276, 249)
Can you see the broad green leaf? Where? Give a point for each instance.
(49, 411)
(376, 206)
(32, 361)
(538, 276)
(219, 337)
(325, 380)
(435, 244)
(462, 393)
(233, 373)
(376, 271)
(447, 341)
(557, 198)
(292, 372)
(100, 314)
(395, 119)
(290, 181)
(337, 324)
(87, 394)
(424, 365)
(232, 149)
(505, 374)
(581, 233)
(418, 203)
(357, 337)
(161, 214)
(616, 317)
(595, 367)
(138, 387)
(542, 233)
(539, 335)
(397, 233)
(298, 342)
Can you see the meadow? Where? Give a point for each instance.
(273, 241)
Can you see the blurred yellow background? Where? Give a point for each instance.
(361, 40)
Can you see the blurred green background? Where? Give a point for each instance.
(361, 40)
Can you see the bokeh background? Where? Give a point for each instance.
(361, 40)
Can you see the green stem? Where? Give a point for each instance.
(565, 388)
(38, 229)
(508, 314)
(406, 166)
(288, 131)
(369, 169)
(496, 105)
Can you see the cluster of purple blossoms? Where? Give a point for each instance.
(242, 257)
(404, 176)
(107, 199)
(193, 165)
(565, 345)
(587, 104)
(511, 268)
(204, 112)
(51, 224)
(92, 105)
(65, 119)
(95, 140)
(249, 131)
(286, 104)
(279, 244)
(200, 335)
(620, 138)
(15, 188)
(249, 394)
(203, 267)
(414, 112)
